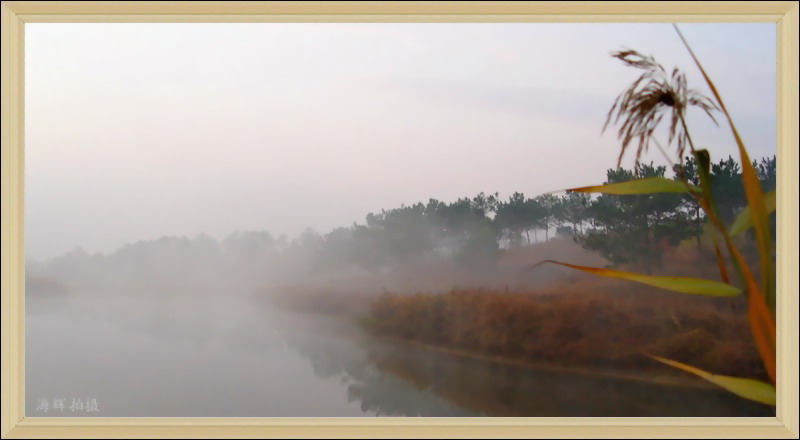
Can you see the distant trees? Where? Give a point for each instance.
(626, 229)
(472, 231)
(766, 171)
(726, 187)
(623, 229)
(629, 229)
(572, 209)
(549, 207)
(688, 202)
(518, 217)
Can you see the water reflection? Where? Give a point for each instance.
(345, 354)
(204, 357)
(179, 355)
(485, 388)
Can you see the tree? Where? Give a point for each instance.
(688, 203)
(766, 172)
(767, 175)
(548, 203)
(485, 204)
(518, 216)
(481, 245)
(628, 229)
(477, 234)
(727, 190)
(572, 208)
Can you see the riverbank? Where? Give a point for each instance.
(498, 386)
(601, 325)
(594, 328)
(357, 327)
(562, 318)
(659, 378)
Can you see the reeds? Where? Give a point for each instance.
(590, 324)
(641, 107)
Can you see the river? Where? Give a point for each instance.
(180, 356)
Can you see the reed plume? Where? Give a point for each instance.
(643, 105)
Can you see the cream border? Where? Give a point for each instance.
(16, 14)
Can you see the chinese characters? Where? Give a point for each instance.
(61, 404)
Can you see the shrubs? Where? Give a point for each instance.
(557, 317)
(601, 324)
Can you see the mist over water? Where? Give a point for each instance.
(375, 272)
(425, 310)
(232, 352)
(204, 357)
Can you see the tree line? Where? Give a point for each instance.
(473, 231)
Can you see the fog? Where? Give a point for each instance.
(258, 326)
(210, 128)
(313, 220)
(229, 351)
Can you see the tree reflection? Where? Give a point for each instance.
(397, 379)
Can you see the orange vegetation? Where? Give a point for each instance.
(592, 324)
(554, 316)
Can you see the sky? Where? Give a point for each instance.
(136, 131)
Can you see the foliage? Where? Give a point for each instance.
(639, 105)
(518, 216)
(635, 227)
(604, 325)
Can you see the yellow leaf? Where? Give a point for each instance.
(748, 388)
(695, 286)
(752, 190)
(763, 328)
(758, 213)
(762, 325)
(745, 219)
(723, 271)
(649, 185)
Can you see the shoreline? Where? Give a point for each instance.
(359, 330)
(643, 376)
(651, 377)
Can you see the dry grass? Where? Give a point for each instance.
(558, 316)
(592, 324)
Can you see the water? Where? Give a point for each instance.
(180, 355)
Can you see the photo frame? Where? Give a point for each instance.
(15, 15)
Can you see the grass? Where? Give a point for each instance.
(587, 324)
(570, 320)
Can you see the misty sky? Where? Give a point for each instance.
(136, 131)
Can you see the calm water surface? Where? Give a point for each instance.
(179, 355)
